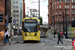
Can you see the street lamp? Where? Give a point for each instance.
(54, 26)
(66, 25)
(63, 21)
(39, 8)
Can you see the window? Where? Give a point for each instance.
(17, 11)
(17, 20)
(56, 18)
(17, 24)
(67, 18)
(13, 2)
(66, 6)
(57, 0)
(13, 6)
(59, 18)
(68, 1)
(72, 12)
(73, 6)
(59, 12)
(72, 0)
(16, 6)
(59, 6)
(60, 1)
(72, 18)
(13, 15)
(67, 12)
(65, 1)
(17, 2)
(17, 15)
(13, 11)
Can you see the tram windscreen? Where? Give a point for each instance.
(30, 26)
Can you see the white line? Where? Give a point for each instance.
(45, 47)
(41, 44)
(52, 41)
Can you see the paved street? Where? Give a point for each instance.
(48, 43)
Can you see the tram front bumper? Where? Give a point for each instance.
(31, 38)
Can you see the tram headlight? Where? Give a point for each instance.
(35, 34)
(25, 34)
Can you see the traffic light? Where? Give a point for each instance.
(9, 19)
(1, 18)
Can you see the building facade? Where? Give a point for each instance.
(59, 11)
(2, 11)
(8, 10)
(17, 12)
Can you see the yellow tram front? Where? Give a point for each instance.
(31, 29)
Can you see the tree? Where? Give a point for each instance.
(41, 21)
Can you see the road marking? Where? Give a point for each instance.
(45, 47)
(41, 44)
(52, 41)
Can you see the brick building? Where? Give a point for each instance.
(59, 8)
(2, 11)
(5, 9)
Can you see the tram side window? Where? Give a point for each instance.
(73, 23)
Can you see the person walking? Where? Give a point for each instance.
(59, 38)
(61, 34)
(2, 36)
(18, 31)
(54, 33)
(6, 38)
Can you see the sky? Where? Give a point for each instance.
(43, 8)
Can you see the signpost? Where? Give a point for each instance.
(14, 21)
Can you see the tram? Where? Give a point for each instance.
(43, 31)
(31, 29)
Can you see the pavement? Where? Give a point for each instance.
(12, 39)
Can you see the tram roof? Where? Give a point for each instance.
(30, 18)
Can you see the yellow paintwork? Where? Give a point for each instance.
(30, 18)
(30, 36)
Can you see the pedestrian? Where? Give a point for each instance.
(61, 34)
(59, 38)
(2, 36)
(64, 35)
(6, 38)
(18, 31)
(54, 33)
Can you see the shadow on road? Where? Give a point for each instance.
(31, 42)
